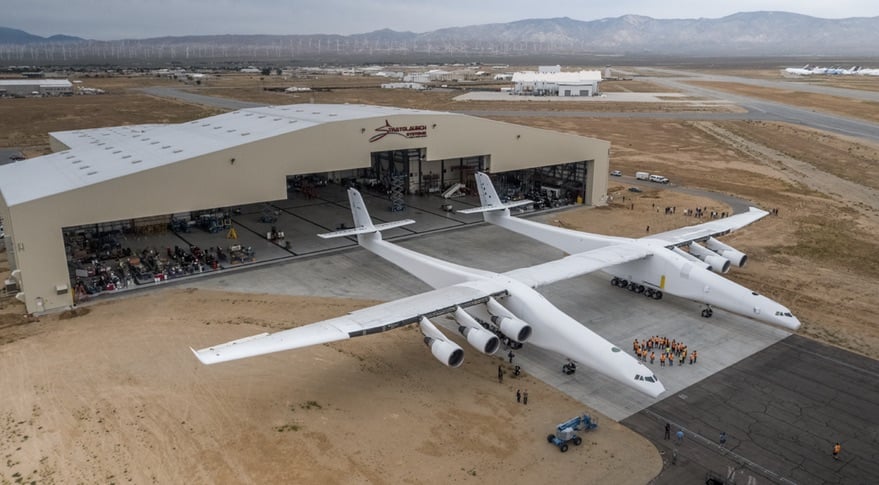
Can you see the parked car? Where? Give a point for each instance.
(617, 173)
(634, 189)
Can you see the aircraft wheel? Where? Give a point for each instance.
(632, 286)
(657, 295)
(577, 440)
(648, 293)
(615, 282)
(624, 283)
(640, 289)
(706, 313)
(564, 447)
(549, 438)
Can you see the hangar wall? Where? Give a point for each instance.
(256, 172)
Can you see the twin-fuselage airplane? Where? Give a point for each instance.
(655, 264)
(490, 306)
(487, 306)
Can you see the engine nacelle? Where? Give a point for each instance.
(509, 325)
(734, 256)
(445, 351)
(477, 336)
(716, 262)
(481, 340)
(689, 257)
(512, 327)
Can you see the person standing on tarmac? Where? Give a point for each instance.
(836, 449)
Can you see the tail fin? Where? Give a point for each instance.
(489, 199)
(362, 222)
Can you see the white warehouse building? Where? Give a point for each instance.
(31, 87)
(581, 83)
(122, 176)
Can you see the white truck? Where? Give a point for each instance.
(642, 175)
(658, 179)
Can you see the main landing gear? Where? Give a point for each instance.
(707, 312)
(636, 288)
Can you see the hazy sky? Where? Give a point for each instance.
(117, 19)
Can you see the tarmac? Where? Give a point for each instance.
(782, 399)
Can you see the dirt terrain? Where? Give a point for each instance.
(110, 396)
(115, 396)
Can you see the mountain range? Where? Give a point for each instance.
(742, 34)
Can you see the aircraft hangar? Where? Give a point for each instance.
(124, 177)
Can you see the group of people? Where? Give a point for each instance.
(669, 351)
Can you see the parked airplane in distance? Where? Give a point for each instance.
(809, 70)
(487, 307)
(663, 267)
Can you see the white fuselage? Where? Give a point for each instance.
(552, 329)
(663, 270)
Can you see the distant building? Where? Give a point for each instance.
(415, 86)
(582, 83)
(549, 69)
(35, 87)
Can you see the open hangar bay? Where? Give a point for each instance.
(66, 214)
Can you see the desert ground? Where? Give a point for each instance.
(113, 395)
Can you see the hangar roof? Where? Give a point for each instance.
(556, 77)
(98, 155)
(64, 83)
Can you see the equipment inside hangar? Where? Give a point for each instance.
(220, 191)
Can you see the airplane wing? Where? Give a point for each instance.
(578, 264)
(717, 227)
(375, 319)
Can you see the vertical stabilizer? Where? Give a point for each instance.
(362, 220)
(487, 194)
(489, 200)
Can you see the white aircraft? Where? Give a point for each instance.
(654, 264)
(800, 71)
(484, 304)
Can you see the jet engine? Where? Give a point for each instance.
(478, 337)
(716, 262)
(445, 351)
(508, 324)
(734, 256)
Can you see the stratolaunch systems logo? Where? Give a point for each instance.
(410, 131)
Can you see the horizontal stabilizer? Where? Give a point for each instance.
(490, 208)
(366, 230)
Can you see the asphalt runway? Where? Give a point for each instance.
(782, 408)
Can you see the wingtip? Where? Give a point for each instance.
(197, 355)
